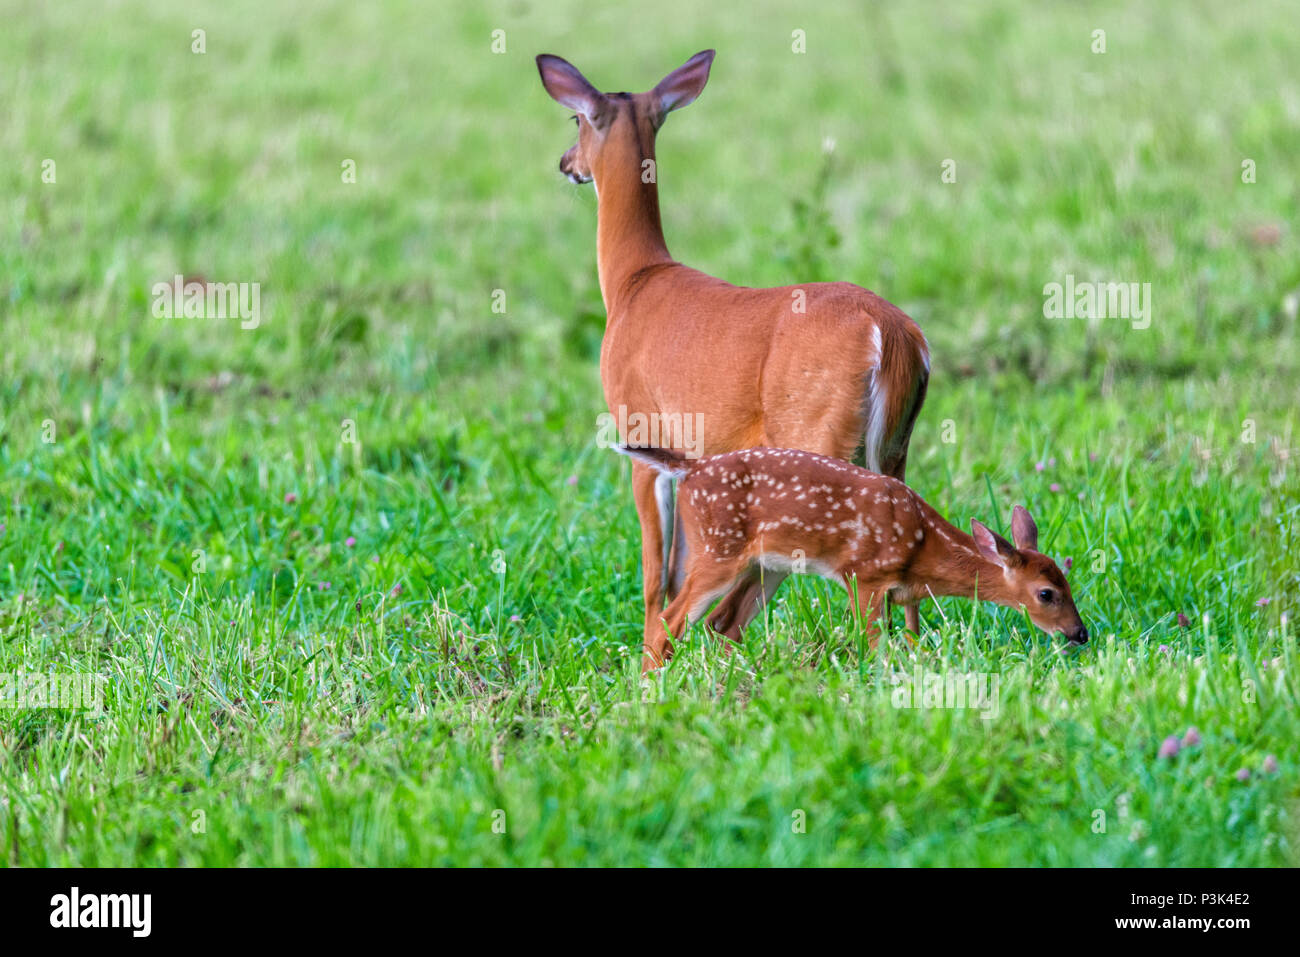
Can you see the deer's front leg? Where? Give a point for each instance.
(869, 598)
(911, 613)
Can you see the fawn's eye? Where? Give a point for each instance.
(1046, 595)
(574, 117)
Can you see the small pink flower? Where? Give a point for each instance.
(1092, 456)
(1164, 650)
(573, 480)
(1054, 487)
(1168, 747)
(1263, 665)
(1270, 765)
(1243, 775)
(1039, 466)
(1068, 564)
(395, 590)
(350, 541)
(322, 586)
(516, 618)
(1051, 463)
(1184, 621)
(290, 498)
(1192, 737)
(1261, 602)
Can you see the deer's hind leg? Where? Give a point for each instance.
(752, 592)
(893, 463)
(703, 584)
(649, 513)
(829, 434)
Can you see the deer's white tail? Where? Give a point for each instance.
(670, 466)
(898, 385)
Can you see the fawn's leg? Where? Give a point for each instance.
(724, 616)
(912, 620)
(897, 468)
(700, 587)
(870, 598)
(753, 590)
(658, 648)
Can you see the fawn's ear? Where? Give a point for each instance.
(1023, 530)
(567, 86)
(993, 546)
(684, 84)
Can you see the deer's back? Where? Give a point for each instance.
(755, 362)
(762, 504)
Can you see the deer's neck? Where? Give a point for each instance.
(950, 564)
(629, 235)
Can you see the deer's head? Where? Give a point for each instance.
(619, 124)
(1031, 580)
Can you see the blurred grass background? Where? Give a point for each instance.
(373, 702)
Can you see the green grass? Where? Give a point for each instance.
(473, 658)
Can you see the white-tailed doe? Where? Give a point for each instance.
(762, 511)
(829, 367)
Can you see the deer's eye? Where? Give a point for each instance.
(574, 117)
(1046, 595)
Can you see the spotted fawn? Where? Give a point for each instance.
(782, 510)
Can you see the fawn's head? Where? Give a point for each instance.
(1032, 580)
(619, 123)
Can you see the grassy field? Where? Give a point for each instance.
(360, 584)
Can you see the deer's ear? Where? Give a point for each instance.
(1023, 530)
(993, 546)
(684, 84)
(567, 86)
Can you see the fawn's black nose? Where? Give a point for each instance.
(1080, 635)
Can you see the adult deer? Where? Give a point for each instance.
(827, 367)
(784, 509)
